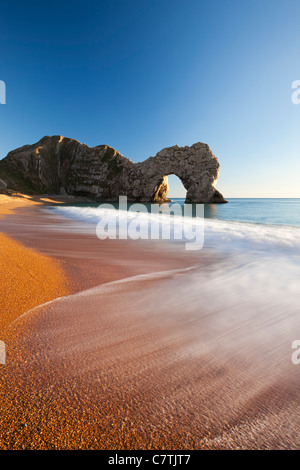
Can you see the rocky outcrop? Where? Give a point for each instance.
(3, 185)
(59, 165)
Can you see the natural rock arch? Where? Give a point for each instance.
(61, 165)
(196, 167)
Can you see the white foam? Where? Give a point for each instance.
(219, 235)
(261, 273)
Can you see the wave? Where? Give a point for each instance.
(220, 235)
(101, 289)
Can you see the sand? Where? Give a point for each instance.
(39, 265)
(121, 364)
(28, 278)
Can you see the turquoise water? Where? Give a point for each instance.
(249, 294)
(261, 225)
(255, 211)
(261, 211)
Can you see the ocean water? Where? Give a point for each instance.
(258, 240)
(254, 225)
(233, 323)
(256, 211)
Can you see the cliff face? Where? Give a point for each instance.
(59, 165)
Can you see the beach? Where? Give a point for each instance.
(149, 228)
(138, 344)
(39, 266)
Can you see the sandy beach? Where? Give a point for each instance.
(149, 228)
(129, 356)
(38, 266)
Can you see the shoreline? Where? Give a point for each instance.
(75, 261)
(87, 263)
(154, 347)
(29, 278)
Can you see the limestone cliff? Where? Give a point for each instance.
(59, 165)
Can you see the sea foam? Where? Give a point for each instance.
(220, 235)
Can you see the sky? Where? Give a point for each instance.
(142, 75)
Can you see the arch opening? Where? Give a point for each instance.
(176, 188)
(169, 187)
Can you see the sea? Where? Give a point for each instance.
(233, 315)
(243, 225)
(257, 241)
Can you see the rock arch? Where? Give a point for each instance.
(196, 167)
(57, 164)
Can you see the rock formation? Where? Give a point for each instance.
(59, 165)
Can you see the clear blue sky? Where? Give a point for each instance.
(141, 75)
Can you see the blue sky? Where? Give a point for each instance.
(141, 75)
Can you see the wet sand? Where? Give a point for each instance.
(28, 278)
(53, 263)
(137, 362)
